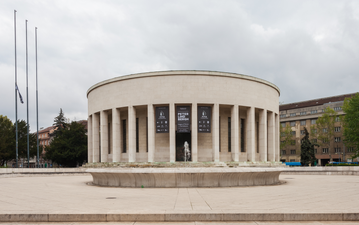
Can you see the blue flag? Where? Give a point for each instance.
(22, 102)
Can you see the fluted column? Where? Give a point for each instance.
(172, 133)
(194, 133)
(131, 134)
(89, 140)
(263, 135)
(250, 129)
(96, 137)
(104, 135)
(116, 135)
(235, 132)
(271, 137)
(215, 132)
(151, 133)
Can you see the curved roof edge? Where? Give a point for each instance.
(181, 72)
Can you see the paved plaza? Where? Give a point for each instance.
(197, 223)
(71, 195)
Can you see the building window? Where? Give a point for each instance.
(351, 149)
(313, 112)
(302, 132)
(283, 115)
(292, 160)
(314, 131)
(292, 114)
(292, 124)
(337, 108)
(242, 135)
(292, 142)
(325, 130)
(323, 110)
(315, 151)
(337, 119)
(336, 150)
(314, 140)
(124, 136)
(282, 124)
(337, 129)
(325, 140)
(325, 150)
(337, 139)
(302, 123)
(292, 133)
(229, 135)
(137, 137)
(292, 152)
(284, 152)
(303, 113)
(313, 121)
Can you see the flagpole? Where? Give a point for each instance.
(27, 100)
(37, 105)
(17, 146)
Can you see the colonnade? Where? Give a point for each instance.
(264, 143)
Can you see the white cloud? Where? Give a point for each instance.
(308, 49)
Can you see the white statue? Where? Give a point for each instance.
(187, 153)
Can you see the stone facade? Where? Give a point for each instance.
(122, 121)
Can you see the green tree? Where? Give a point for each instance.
(7, 142)
(59, 123)
(69, 147)
(307, 154)
(351, 123)
(285, 136)
(22, 144)
(323, 130)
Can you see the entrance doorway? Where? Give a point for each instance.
(180, 140)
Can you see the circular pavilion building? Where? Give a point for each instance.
(148, 117)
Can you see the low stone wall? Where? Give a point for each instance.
(185, 177)
(16, 172)
(335, 170)
(212, 216)
(332, 170)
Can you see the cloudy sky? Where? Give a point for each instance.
(308, 48)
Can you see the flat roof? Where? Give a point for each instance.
(182, 72)
(315, 102)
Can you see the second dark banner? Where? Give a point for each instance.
(183, 119)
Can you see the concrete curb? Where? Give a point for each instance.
(179, 217)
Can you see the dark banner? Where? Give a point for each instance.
(183, 119)
(162, 122)
(204, 119)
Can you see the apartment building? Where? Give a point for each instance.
(304, 114)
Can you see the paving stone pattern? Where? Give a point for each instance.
(71, 195)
